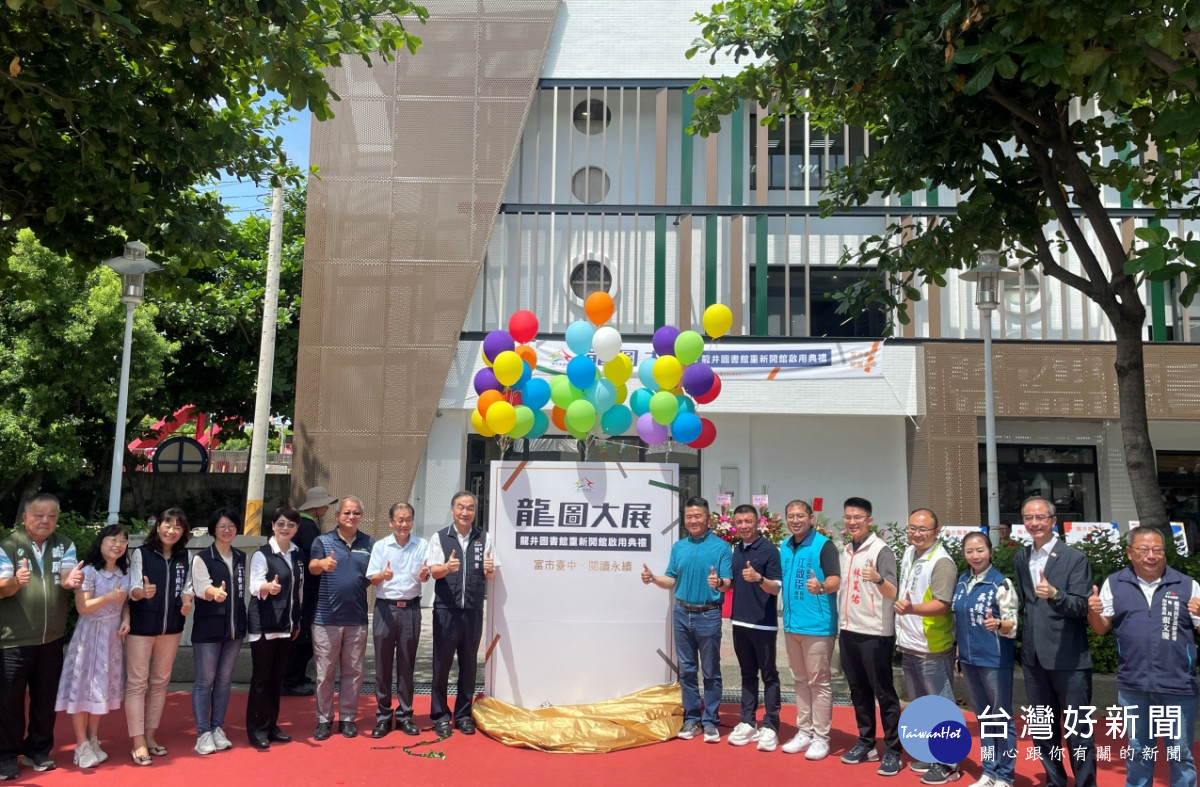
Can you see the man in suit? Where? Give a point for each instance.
(1054, 582)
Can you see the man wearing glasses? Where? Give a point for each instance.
(925, 624)
(1053, 585)
(1156, 669)
(339, 631)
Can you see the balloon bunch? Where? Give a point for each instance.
(591, 398)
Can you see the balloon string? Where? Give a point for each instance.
(437, 755)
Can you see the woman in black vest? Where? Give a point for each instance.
(276, 582)
(158, 571)
(219, 580)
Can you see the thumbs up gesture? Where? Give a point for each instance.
(1097, 606)
(647, 575)
(74, 577)
(750, 575)
(812, 585)
(218, 594)
(453, 564)
(329, 563)
(489, 564)
(424, 575)
(904, 605)
(186, 609)
(1044, 589)
(148, 588)
(990, 622)
(387, 571)
(869, 573)
(24, 575)
(714, 581)
(1194, 605)
(273, 587)
(116, 595)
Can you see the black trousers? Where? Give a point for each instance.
(36, 668)
(867, 665)
(755, 651)
(268, 659)
(456, 633)
(1059, 690)
(396, 632)
(301, 653)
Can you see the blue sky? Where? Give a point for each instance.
(244, 197)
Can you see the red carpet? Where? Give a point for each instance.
(469, 760)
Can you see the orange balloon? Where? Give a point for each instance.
(528, 355)
(599, 308)
(487, 399)
(559, 417)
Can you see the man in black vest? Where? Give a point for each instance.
(461, 562)
(296, 682)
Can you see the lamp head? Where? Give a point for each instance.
(133, 265)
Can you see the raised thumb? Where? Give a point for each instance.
(712, 571)
(812, 574)
(452, 553)
(276, 579)
(989, 615)
(1095, 591)
(222, 587)
(25, 563)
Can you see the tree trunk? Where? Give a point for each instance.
(1135, 427)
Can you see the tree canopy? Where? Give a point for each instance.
(114, 111)
(1037, 113)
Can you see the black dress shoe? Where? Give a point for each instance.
(382, 728)
(259, 742)
(279, 736)
(323, 731)
(348, 729)
(302, 690)
(407, 727)
(442, 728)
(465, 726)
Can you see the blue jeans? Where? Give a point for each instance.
(924, 675)
(214, 673)
(1139, 772)
(991, 688)
(698, 634)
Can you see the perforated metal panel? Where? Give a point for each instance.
(411, 172)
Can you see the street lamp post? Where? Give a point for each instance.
(133, 266)
(987, 276)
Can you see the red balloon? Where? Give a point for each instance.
(712, 393)
(512, 397)
(523, 326)
(708, 433)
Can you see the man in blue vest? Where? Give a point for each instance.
(1156, 667)
(812, 575)
(461, 562)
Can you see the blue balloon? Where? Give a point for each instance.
(617, 420)
(579, 337)
(686, 405)
(535, 394)
(646, 374)
(541, 422)
(526, 373)
(686, 427)
(639, 401)
(581, 371)
(603, 395)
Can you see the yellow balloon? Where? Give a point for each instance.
(618, 369)
(483, 356)
(622, 393)
(480, 424)
(667, 371)
(718, 319)
(507, 368)
(501, 417)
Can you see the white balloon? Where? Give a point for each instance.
(606, 343)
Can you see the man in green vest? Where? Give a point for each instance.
(36, 566)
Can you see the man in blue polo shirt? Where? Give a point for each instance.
(339, 630)
(700, 568)
(755, 619)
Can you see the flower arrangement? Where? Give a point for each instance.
(770, 527)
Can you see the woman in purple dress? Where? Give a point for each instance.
(93, 682)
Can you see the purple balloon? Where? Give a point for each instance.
(664, 340)
(697, 380)
(651, 431)
(497, 342)
(485, 380)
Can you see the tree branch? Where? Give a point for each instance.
(1017, 110)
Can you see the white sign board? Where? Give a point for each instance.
(953, 534)
(575, 622)
(1076, 532)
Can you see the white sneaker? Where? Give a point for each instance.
(84, 756)
(743, 734)
(797, 744)
(984, 781)
(819, 750)
(204, 744)
(219, 740)
(768, 740)
(100, 755)
(999, 783)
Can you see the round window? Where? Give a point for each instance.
(1023, 294)
(590, 276)
(590, 185)
(591, 116)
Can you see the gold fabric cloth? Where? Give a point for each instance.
(648, 716)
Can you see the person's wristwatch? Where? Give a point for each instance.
(880, 581)
(761, 579)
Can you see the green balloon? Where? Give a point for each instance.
(688, 347)
(562, 393)
(581, 416)
(664, 407)
(524, 422)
